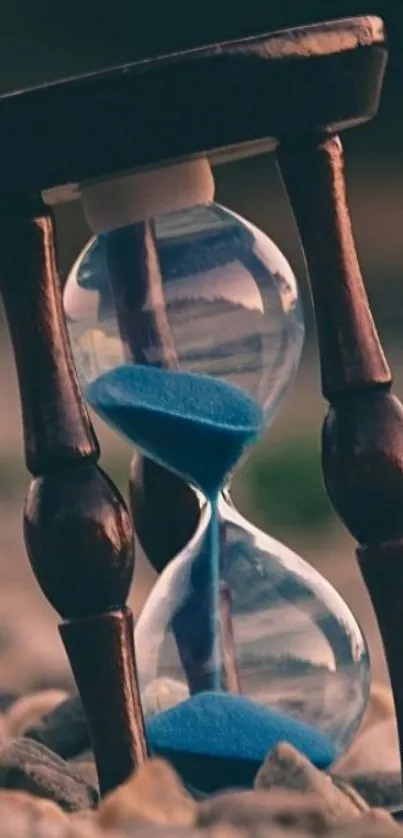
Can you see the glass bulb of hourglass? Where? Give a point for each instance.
(288, 643)
(187, 331)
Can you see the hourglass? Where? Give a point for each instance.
(137, 143)
(186, 329)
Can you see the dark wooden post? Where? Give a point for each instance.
(77, 529)
(362, 451)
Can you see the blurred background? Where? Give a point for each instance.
(280, 488)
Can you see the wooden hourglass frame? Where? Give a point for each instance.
(291, 91)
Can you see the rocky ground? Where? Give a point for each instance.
(48, 789)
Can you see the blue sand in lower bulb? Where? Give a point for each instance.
(219, 740)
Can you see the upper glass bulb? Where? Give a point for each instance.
(196, 291)
(201, 289)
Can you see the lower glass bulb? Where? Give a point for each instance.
(285, 645)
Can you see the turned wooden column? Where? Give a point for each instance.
(362, 443)
(77, 529)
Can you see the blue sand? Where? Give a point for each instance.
(216, 740)
(195, 425)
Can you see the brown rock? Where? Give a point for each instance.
(254, 811)
(286, 768)
(153, 794)
(29, 709)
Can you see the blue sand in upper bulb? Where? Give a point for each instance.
(195, 425)
(218, 740)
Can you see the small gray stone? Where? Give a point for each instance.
(286, 768)
(64, 730)
(31, 767)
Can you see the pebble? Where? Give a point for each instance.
(64, 730)
(286, 768)
(29, 709)
(31, 767)
(154, 794)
